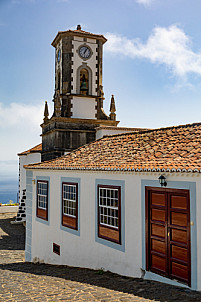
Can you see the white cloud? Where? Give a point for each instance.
(169, 46)
(18, 115)
(19, 130)
(145, 2)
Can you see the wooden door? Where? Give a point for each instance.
(168, 233)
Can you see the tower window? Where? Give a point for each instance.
(84, 82)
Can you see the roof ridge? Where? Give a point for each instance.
(30, 150)
(122, 134)
(155, 129)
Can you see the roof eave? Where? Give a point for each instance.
(157, 170)
(80, 34)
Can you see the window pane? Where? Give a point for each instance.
(69, 200)
(108, 206)
(42, 195)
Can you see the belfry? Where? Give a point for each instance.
(78, 98)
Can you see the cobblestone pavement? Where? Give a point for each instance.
(20, 281)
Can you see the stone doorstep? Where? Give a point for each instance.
(18, 222)
(23, 222)
(8, 209)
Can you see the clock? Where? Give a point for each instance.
(85, 52)
(59, 55)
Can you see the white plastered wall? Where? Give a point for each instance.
(84, 250)
(78, 61)
(84, 107)
(26, 160)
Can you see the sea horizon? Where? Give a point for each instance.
(8, 190)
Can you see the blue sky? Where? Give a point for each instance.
(152, 63)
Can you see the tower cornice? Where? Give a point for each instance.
(79, 33)
(81, 121)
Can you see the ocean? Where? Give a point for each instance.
(8, 190)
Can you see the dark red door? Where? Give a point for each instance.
(168, 233)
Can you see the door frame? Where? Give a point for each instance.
(173, 183)
(147, 227)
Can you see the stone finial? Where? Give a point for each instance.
(57, 104)
(101, 93)
(112, 109)
(100, 112)
(46, 113)
(78, 27)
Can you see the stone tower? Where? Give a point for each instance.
(78, 97)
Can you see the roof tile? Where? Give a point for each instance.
(164, 148)
(37, 148)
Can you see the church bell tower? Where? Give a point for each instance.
(78, 98)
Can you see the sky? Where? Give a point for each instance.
(151, 63)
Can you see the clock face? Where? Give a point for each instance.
(59, 55)
(84, 52)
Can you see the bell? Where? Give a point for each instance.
(83, 86)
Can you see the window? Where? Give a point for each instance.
(109, 213)
(70, 205)
(42, 199)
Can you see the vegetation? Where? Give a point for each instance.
(101, 271)
(11, 203)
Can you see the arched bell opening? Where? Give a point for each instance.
(84, 82)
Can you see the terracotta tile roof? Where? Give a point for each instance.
(82, 31)
(78, 32)
(174, 149)
(37, 148)
(120, 128)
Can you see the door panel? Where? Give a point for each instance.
(158, 263)
(158, 199)
(179, 271)
(179, 264)
(179, 219)
(178, 202)
(158, 246)
(179, 253)
(158, 215)
(178, 235)
(158, 237)
(168, 233)
(158, 230)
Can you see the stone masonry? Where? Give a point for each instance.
(21, 215)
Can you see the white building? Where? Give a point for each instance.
(30, 156)
(102, 206)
